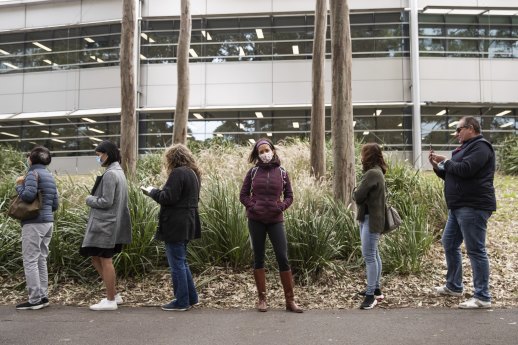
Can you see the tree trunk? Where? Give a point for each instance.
(342, 110)
(182, 63)
(318, 109)
(128, 141)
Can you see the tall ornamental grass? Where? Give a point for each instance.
(322, 233)
(508, 156)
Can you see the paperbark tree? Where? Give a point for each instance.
(318, 109)
(181, 113)
(128, 141)
(341, 103)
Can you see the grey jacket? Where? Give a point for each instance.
(370, 197)
(109, 220)
(38, 178)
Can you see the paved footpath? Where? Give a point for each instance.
(127, 326)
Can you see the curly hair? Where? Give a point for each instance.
(371, 156)
(178, 155)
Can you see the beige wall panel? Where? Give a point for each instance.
(238, 94)
(48, 101)
(450, 91)
(378, 91)
(97, 10)
(51, 81)
(100, 98)
(53, 14)
(12, 18)
(98, 78)
(237, 72)
(10, 84)
(292, 93)
(11, 104)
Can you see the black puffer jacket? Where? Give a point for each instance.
(469, 174)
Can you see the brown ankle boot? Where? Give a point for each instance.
(260, 283)
(287, 284)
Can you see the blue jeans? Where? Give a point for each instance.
(371, 256)
(183, 285)
(469, 225)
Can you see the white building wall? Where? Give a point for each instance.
(56, 13)
(157, 8)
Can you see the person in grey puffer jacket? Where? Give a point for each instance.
(109, 223)
(261, 194)
(37, 232)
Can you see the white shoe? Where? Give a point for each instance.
(105, 304)
(475, 303)
(118, 299)
(444, 291)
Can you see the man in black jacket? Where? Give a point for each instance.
(470, 195)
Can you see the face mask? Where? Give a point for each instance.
(266, 157)
(98, 159)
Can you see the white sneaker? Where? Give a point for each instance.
(444, 291)
(105, 304)
(475, 303)
(118, 299)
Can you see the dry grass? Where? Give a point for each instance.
(223, 288)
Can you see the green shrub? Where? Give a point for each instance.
(322, 233)
(225, 240)
(508, 156)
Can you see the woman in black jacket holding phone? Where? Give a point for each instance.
(179, 221)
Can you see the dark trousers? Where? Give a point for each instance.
(277, 235)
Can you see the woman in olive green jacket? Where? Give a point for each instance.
(370, 198)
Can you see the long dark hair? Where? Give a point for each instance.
(254, 155)
(371, 156)
(111, 150)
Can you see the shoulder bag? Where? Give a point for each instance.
(22, 210)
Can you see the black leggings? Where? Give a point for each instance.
(277, 237)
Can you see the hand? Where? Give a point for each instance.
(430, 159)
(437, 158)
(20, 179)
(146, 190)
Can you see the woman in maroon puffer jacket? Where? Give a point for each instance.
(261, 194)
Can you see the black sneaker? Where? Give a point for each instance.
(377, 294)
(45, 301)
(30, 306)
(369, 302)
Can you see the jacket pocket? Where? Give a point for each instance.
(103, 226)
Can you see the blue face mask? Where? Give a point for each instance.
(98, 159)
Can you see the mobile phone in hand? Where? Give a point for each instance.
(146, 190)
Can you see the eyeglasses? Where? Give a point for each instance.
(458, 129)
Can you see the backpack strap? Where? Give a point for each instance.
(284, 176)
(253, 172)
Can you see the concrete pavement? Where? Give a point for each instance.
(128, 325)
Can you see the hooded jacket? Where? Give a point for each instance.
(469, 174)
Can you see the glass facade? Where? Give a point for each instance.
(479, 36)
(257, 38)
(63, 48)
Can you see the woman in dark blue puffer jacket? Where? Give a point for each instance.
(261, 193)
(37, 232)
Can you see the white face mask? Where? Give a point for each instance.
(98, 159)
(266, 157)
